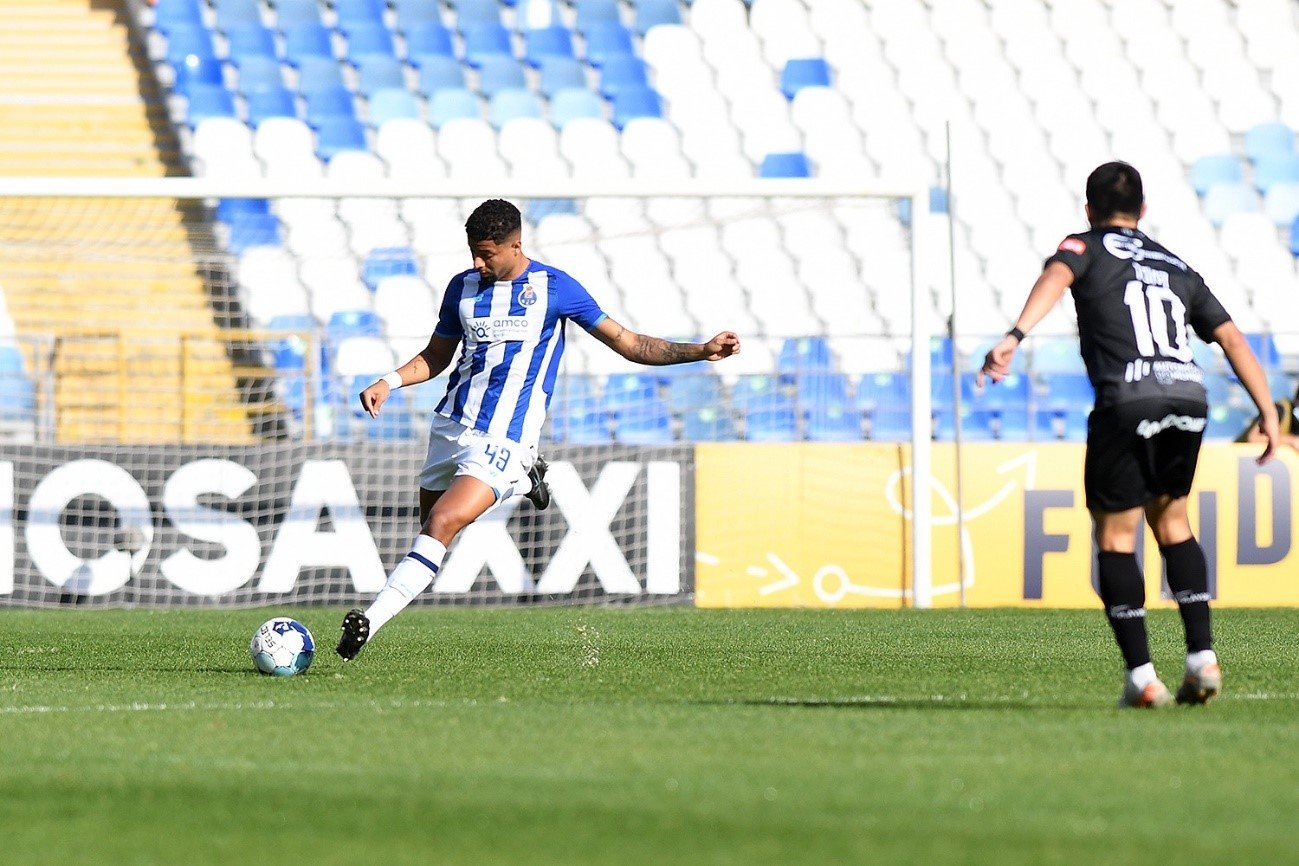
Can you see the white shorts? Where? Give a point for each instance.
(454, 449)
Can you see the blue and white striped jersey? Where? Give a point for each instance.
(513, 333)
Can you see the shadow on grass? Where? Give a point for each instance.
(938, 702)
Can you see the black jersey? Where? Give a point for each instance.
(1136, 302)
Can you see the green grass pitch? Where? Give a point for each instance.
(675, 735)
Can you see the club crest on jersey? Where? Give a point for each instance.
(1073, 245)
(528, 296)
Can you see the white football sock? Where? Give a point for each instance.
(411, 577)
(1143, 675)
(1197, 660)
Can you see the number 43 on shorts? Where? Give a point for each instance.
(496, 456)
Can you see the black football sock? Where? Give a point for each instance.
(1188, 578)
(1124, 593)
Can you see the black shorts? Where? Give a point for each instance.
(1140, 450)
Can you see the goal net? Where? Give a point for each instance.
(181, 361)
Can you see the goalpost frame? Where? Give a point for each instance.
(921, 326)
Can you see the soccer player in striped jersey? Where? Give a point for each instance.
(507, 314)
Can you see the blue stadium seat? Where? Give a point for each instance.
(11, 359)
(644, 424)
(607, 40)
(833, 423)
(1281, 203)
(707, 424)
(1269, 140)
(411, 13)
(888, 392)
(758, 390)
(1220, 168)
(1065, 390)
(804, 354)
(394, 422)
(777, 423)
(291, 13)
(358, 12)
(1011, 392)
(307, 40)
(250, 40)
(251, 230)
(1015, 424)
(195, 70)
(571, 389)
(388, 262)
(319, 73)
(595, 12)
(558, 73)
(270, 102)
(390, 103)
(353, 323)
(208, 100)
(377, 72)
(290, 352)
(328, 103)
(17, 399)
(1225, 199)
(1294, 237)
(170, 14)
(651, 13)
(1075, 424)
(687, 393)
(890, 425)
(547, 42)
(1265, 350)
(580, 422)
(335, 133)
(622, 73)
(1227, 422)
(636, 102)
(234, 13)
(187, 40)
(624, 391)
(440, 73)
(259, 73)
(803, 72)
(1218, 389)
(785, 165)
(486, 40)
(475, 13)
(572, 103)
(449, 104)
(231, 208)
(817, 390)
(500, 73)
(425, 39)
(1280, 384)
(514, 103)
(977, 425)
(1049, 355)
(538, 209)
(1272, 169)
(366, 39)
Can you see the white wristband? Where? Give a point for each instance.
(393, 379)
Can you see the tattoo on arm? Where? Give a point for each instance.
(652, 350)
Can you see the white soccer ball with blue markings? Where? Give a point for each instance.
(282, 647)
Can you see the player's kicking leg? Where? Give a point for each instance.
(1123, 591)
(539, 495)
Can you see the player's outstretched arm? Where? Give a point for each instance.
(1241, 358)
(1044, 295)
(433, 359)
(658, 352)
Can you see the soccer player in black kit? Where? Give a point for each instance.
(1136, 304)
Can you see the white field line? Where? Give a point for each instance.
(189, 706)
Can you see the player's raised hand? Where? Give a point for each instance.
(373, 397)
(996, 363)
(724, 345)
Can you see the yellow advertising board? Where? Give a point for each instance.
(823, 525)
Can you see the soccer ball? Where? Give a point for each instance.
(282, 647)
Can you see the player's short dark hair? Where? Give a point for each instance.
(1114, 188)
(493, 220)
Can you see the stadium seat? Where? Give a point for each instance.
(1210, 170)
(236, 13)
(185, 40)
(307, 40)
(336, 133)
(293, 13)
(358, 11)
(450, 104)
(362, 355)
(414, 13)
(230, 208)
(17, 399)
(392, 104)
(607, 40)
(500, 73)
(804, 72)
(1281, 204)
(804, 355)
(624, 391)
(643, 424)
(394, 422)
(270, 102)
(513, 103)
(1227, 422)
(572, 103)
(376, 72)
(352, 323)
(1272, 169)
(785, 165)
(429, 39)
(546, 43)
(441, 73)
(477, 13)
(1064, 390)
(319, 73)
(592, 12)
(388, 262)
(708, 424)
(777, 423)
(1047, 355)
(691, 391)
(486, 40)
(821, 388)
(194, 70)
(833, 423)
(653, 13)
(248, 230)
(621, 73)
(249, 41)
(1264, 349)
(367, 39)
(328, 103)
(1011, 392)
(1224, 199)
(168, 14)
(207, 101)
(558, 73)
(634, 102)
(1294, 237)
(579, 421)
(259, 73)
(1269, 140)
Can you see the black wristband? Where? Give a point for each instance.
(1017, 334)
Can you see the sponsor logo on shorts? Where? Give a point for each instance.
(1123, 611)
(1147, 428)
(1073, 245)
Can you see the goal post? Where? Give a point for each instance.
(267, 440)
